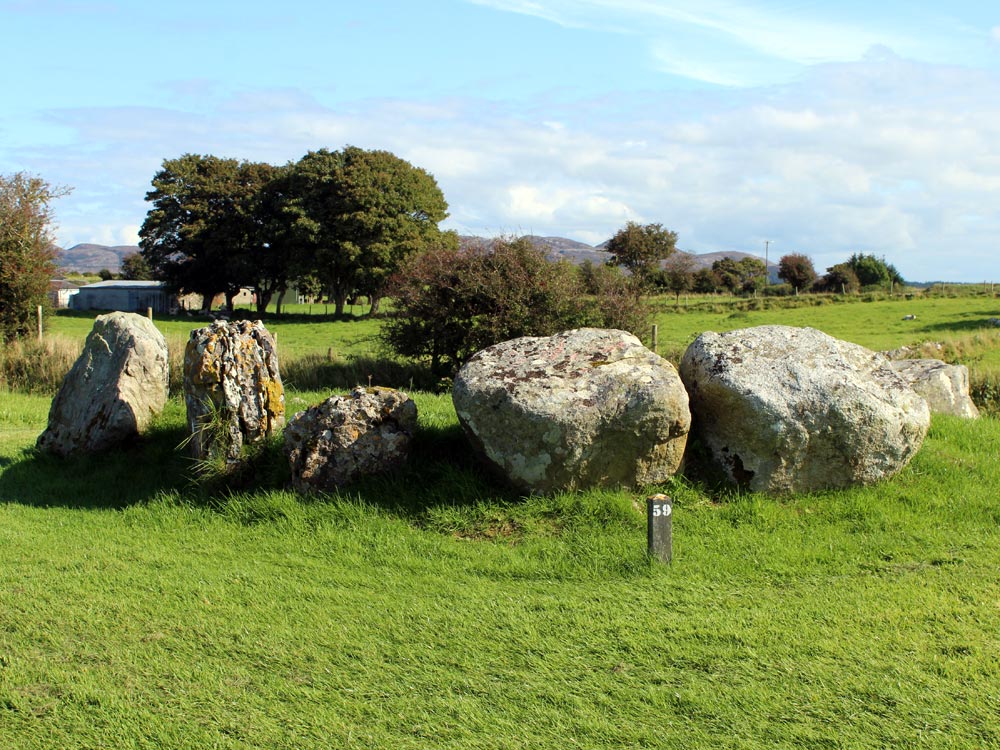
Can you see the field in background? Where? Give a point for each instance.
(436, 609)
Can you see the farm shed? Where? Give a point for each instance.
(127, 296)
(60, 292)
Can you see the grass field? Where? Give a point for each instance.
(433, 609)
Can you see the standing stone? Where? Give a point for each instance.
(112, 392)
(783, 409)
(347, 437)
(583, 408)
(232, 388)
(945, 387)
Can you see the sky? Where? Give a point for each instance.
(778, 126)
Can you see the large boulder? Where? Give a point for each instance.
(232, 389)
(945, 387)
(580, 409)
(347, 437)
(112, 392)
(783, 409)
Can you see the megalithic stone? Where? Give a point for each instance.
(232, 388)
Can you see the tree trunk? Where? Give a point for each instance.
(263, 300)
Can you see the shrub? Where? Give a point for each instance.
(451, 303)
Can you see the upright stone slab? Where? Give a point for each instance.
(232, 388)
(348, 437)
(583, 408)
(115, 388)
(783, 409)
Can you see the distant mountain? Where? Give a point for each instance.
(561, 248)
(90, 258)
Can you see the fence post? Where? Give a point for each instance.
(39, 313)
(656, 335)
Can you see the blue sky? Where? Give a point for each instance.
(826, 128)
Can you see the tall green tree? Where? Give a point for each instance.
(641, 247)
(361, 212)
(727, 274)
(27, 251)
(872, 271)
(269, 254)
(197, 234)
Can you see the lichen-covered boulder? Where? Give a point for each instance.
(945, 387)
(347, 437)
(584, 408)
(783, 409)
(112, 392)
(232, 388)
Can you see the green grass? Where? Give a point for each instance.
(431, 609)
(877, 324)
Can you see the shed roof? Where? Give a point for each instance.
(118, 284)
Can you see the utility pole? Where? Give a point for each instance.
(767, 269)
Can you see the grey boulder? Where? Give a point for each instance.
(348, 437)
(781, 409)
(945, 387)
(114, 389)
(583, 408)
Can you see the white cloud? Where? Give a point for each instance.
(883, 156)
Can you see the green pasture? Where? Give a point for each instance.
(435, 609)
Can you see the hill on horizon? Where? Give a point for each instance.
(88, 257)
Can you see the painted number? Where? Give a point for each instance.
(662, 510)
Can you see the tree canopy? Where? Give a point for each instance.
(344, 219)
(641, 247)
(797, 269)
(27, 251)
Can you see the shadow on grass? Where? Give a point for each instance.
(117, 478)
(442, 471)
(975, 322)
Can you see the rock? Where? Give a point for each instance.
(580, 409)
(783, 409)
(112, 392)
(232, 388)
(346, 437)
(945, 387)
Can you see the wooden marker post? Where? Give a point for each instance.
(659, 531)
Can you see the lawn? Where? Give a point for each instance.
(435, 609)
